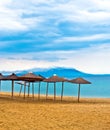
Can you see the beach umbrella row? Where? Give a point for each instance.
(31, 78)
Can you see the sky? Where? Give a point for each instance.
(55, 33)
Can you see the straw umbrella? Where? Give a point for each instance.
(1, 78)
(55, 79)
(12, 77)
(30, 77)
(79, 81)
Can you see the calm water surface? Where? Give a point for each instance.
(100, 87)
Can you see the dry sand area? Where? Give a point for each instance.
(29, 114)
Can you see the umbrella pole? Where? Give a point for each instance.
(28, 89)
(0, 85)
(33, 90)
(54, 91)
(47, 90)
(20, 90)
(39, 91)
(62, 91)
(12, 87)
(79, 93)
(24, 89)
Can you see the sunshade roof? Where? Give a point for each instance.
(31, 77)
(12, 77)
(55, 78)
(2, 77)
(80, 81)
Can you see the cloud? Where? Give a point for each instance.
(11, 15)
(19, 64)
(27, 44)
(91, 60)
(84, 38)
(46, 33)
(90, 12)
(24, 15)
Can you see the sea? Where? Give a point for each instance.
(99, 87)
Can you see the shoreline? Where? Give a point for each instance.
(68, 99)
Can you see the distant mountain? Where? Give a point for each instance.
(62, 72)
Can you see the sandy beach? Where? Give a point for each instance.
(29, 114)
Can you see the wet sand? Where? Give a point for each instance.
(27, 114)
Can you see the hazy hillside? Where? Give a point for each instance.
(63, 72)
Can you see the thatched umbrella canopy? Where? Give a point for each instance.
(2, 77)
(30, 77)
(55, 79)
(12, 77)
(79, 81)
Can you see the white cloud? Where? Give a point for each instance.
(91, 60)
(84, 38)
(5, 2)
(102, 5)
(46, 16)
(11, 16)
(22, 64)
(89, 12)
(11, 12)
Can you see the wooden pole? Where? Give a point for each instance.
(54, 91)
(0, 85)
(62, 91)
(24, 89)
(39, 91)
(79, 93)
(47, 90)
(20, 90)
(28, 89)
(12, 87)
(33, 90)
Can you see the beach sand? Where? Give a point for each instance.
(27, 114)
